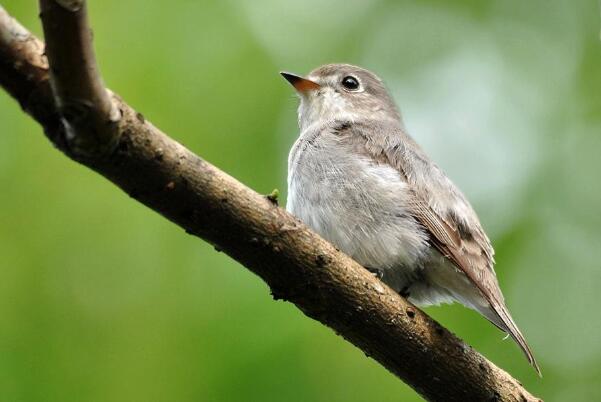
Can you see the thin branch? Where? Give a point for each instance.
(297, 264)
(85, 105)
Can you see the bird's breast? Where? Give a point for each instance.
(356, 203)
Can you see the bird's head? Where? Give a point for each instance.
(341, 92)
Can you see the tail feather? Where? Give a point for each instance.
(498, 314)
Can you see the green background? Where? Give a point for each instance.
(104, 300)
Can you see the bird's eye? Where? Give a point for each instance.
(350, 83)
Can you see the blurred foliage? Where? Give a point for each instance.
(104, 300)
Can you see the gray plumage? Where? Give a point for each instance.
(358, 179)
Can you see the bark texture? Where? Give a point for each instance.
(299, 266)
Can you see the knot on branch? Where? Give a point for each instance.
(88, 134)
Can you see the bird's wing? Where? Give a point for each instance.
(444, 212)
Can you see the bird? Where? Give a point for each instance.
(358, 179)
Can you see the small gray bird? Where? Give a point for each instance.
(359, 180)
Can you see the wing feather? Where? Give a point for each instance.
(441, 208)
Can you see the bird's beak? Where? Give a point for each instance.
(299, 83)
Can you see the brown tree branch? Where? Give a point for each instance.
(297, 264)
(89, 115)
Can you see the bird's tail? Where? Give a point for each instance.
(498, 314)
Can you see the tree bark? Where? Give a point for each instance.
(99, 130)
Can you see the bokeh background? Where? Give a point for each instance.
(104, 300)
